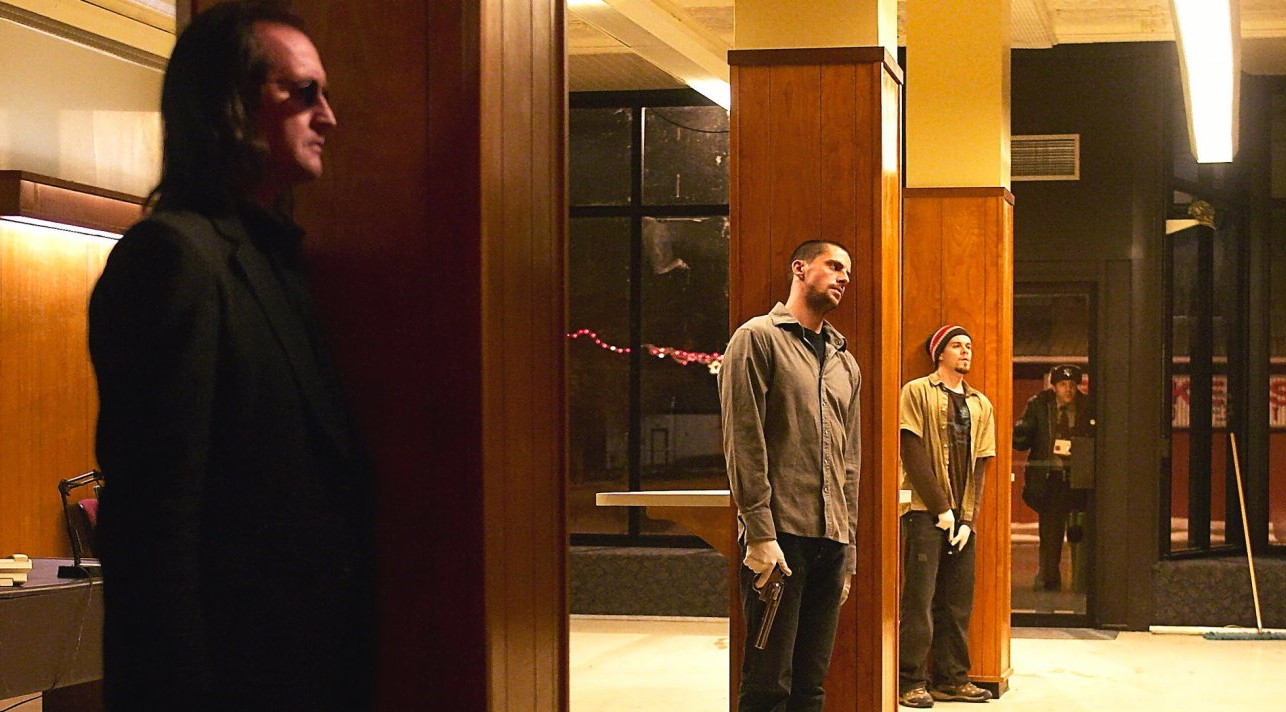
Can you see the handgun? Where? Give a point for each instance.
(770, 594)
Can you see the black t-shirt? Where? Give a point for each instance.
(959, 430)
(816, 340)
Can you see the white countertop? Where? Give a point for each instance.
(665, 498)
(682, 498)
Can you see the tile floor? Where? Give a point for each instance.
(681, 665)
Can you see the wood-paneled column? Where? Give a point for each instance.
(816, 147)
(958, 255)
(957, 266)
(436, 241)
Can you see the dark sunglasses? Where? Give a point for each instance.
(309, 93)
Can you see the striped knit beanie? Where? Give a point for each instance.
(940, 338)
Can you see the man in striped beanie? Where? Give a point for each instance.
(947, 438)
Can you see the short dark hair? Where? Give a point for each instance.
(809, 249)
(212, 151)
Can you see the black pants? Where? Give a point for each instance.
(937, 600)
(1052, 529)
(786, 676)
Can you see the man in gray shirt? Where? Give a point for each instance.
(789, 391)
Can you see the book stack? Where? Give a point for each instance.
(14, 570)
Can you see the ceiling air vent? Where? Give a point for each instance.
(1047, 157)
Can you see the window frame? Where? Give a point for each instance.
(1241, 194)
(636, 210)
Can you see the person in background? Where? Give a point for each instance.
(235, 522)
(1051, 419)
(947, 437)
(790, 396)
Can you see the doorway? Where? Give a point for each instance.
(1052, 513)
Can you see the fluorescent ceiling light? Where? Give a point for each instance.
(716, 90)
(33, 199)
(1208, 33)
(36, 222)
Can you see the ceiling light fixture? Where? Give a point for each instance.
(1208, 33)
(42, 201)
(666, 36)
(716, 90)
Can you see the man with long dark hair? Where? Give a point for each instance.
(235, 521)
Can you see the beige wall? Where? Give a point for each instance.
(78, 114)
(81, 115)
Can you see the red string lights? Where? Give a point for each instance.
(711, 361)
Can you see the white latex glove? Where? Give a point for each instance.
(848, 584)
(961, 538)
(946, 521)
(761, 556)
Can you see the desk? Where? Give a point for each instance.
(706, 513)
(51, 632)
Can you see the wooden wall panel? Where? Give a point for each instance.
(877, 653)
(436, 238)
(922, 290)
(866, 656)
(842, 188)
(47, 398)
(750, 266)
(796, 175)
(522, 266)
(958, 266)
(811, 132)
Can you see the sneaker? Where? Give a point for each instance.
(915, 697)
(967, 692)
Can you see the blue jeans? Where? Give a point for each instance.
(937, 600)
(787, 675)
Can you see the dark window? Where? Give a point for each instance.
(598, 157)
(1277, 319)
(1206, 284)
(1226, 290)
(685, 155)
(647, 286)
(684, 300)
(598, 380)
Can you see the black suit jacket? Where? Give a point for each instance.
(235, 520)
(1035, 429)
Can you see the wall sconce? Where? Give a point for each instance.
(63, 205)
(1208, 33)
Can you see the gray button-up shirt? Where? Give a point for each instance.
(792, 432)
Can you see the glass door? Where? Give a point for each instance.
(1053, 436)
